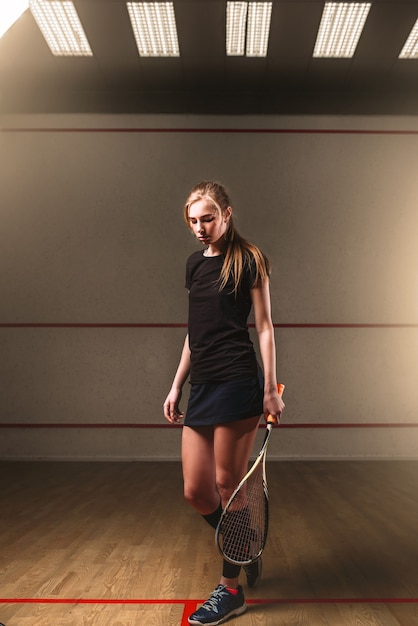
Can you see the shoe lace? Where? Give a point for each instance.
(212, 603)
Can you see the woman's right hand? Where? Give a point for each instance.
(172, 411)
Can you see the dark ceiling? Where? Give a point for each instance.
(203, 79)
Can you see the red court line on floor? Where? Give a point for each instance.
(184, 325)
(191, 605)
(189, 608)
(261, 131)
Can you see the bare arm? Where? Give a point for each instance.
(172, 412)
(260, 296)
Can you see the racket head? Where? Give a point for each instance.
(242, 530)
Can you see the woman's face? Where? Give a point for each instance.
(207, 223)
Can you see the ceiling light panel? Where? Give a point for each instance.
(340, 29)
(236, 19)
(410, 49)
(154, 27)
(61, 27)
(258, 28)
(247, 28)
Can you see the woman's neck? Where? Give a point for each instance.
(215, 249)
(208, 252)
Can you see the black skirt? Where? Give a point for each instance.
(229, 401)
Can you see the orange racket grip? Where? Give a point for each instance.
(280, 389)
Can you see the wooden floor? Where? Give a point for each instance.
(100, 544)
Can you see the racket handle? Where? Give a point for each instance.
(280, 389)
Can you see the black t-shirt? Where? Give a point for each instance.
(221, 348)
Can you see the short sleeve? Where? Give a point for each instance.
(190, 268)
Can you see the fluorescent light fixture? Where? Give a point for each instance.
(10, 13)
(340, 29)
(410, 49)
(249, 35)
(258, 28)
(154, 27)
(236, 19)
(61, 27)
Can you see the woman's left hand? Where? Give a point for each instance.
(273, 404)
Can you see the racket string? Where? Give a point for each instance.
(244, 525)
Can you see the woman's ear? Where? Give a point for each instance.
(227, 213)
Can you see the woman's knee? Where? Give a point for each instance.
(226, 483)
(191, 494)
(203, 500)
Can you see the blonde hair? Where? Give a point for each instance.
(239, 252)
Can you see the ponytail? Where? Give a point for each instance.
(240, 253)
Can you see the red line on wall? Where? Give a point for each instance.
(268, 131)
(184, 325)
(343, 325)
(89, 325)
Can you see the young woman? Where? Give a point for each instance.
(229, 391)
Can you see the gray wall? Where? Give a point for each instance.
(93, 247)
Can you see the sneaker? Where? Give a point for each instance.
(253, 572)
(221, 605)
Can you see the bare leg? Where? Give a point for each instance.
(199, 473)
